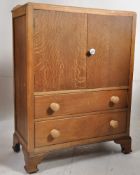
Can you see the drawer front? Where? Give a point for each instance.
(81, 102)
(77, 128)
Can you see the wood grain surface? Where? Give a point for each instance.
(110, 36)
(59, 50)
(20, 75)
(81, 102)
(78, 128)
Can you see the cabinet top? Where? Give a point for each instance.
(37, 6)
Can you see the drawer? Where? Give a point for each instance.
(79, 102)
(77, 128)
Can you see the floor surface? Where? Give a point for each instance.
(98, 159)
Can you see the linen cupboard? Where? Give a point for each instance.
(73, 71)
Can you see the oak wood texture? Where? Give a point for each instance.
(19, 11)
(78, 128)
(52, 66)
(30, 77)
(110, 37)
(79, 102)
(31, 162)
(38, 6)
(80, 90)
(131, 72)
(20, 75)
(63, 66)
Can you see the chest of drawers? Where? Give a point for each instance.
(73, 70)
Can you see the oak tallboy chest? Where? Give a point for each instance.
(73, 70)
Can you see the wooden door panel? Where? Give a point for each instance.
(59, 50)
(110, 36)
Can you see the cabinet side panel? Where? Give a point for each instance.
(20, 76)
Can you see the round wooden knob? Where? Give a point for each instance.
(55, 133)
(55, 107)
(114, 124)
(115, 99)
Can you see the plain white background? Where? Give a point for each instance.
(6, 58)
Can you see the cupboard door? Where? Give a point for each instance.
(110, 36)
(60, 41)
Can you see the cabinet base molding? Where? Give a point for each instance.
(33, 160)
(125, 143)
